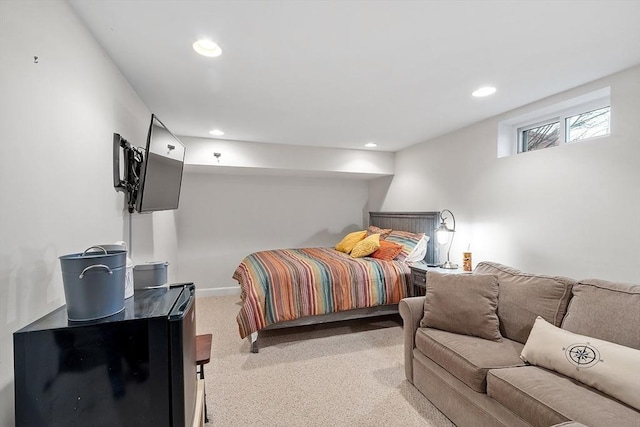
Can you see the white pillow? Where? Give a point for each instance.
(420, 251)
(611, 368)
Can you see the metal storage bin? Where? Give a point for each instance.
(150, 274)
(93, 283)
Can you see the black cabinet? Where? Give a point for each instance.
(418, 281)
(136, 368)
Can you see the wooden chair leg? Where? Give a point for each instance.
(203, 355)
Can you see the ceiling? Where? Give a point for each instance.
(344, 73)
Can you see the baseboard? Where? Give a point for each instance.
(217, 292)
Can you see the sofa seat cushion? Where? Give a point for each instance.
(544, 398)
(466, 357)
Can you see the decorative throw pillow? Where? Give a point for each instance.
(462, 303)
(408, 241)
(387, 251)
(349, 241)
(383, 232)
(366, 246)
(420, 251)
(608, 367)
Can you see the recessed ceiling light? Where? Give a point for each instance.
(370, 144)
(207, 47)
(216, 132)
(484, 91)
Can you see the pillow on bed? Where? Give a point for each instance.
(383, 232)
(407, 240)
(420, 251)
(349, 241)
(366, 247)
(387, 251)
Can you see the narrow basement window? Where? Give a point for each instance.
(578, 119)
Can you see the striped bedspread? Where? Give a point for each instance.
(286, 284)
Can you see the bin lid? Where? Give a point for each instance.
(152, 265)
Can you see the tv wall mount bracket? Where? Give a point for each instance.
(133, 158)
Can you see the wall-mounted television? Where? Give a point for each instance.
(153, 176)
(161, 173)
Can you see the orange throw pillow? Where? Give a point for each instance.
(387, 251)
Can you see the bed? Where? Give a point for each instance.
(293, 287)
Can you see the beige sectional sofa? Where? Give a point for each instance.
(482, 381)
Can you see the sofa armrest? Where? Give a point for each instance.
(412, 311)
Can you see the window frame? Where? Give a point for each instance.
(510, 130)
(561, 117)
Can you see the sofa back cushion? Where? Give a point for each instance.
(522, 297)
(605, 310)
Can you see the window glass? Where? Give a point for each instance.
(541, 137)
(588, 125)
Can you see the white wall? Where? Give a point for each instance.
(572, 210)
(154, 237)
(56, 193)
(239, 155)
(265, 196)
(222, 218)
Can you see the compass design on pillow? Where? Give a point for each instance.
(582, 355)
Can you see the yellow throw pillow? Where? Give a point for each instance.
(366, 246)
(350, 240)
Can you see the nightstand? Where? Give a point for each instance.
(419, 277)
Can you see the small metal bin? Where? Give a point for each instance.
(150, 274)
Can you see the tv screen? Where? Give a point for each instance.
(161, 173)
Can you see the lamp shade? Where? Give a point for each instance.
(442, 234)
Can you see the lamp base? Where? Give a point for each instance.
(449, 265)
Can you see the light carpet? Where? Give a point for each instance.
(343, 374)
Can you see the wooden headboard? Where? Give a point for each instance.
(414, 222)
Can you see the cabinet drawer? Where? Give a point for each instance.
(419, 279)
